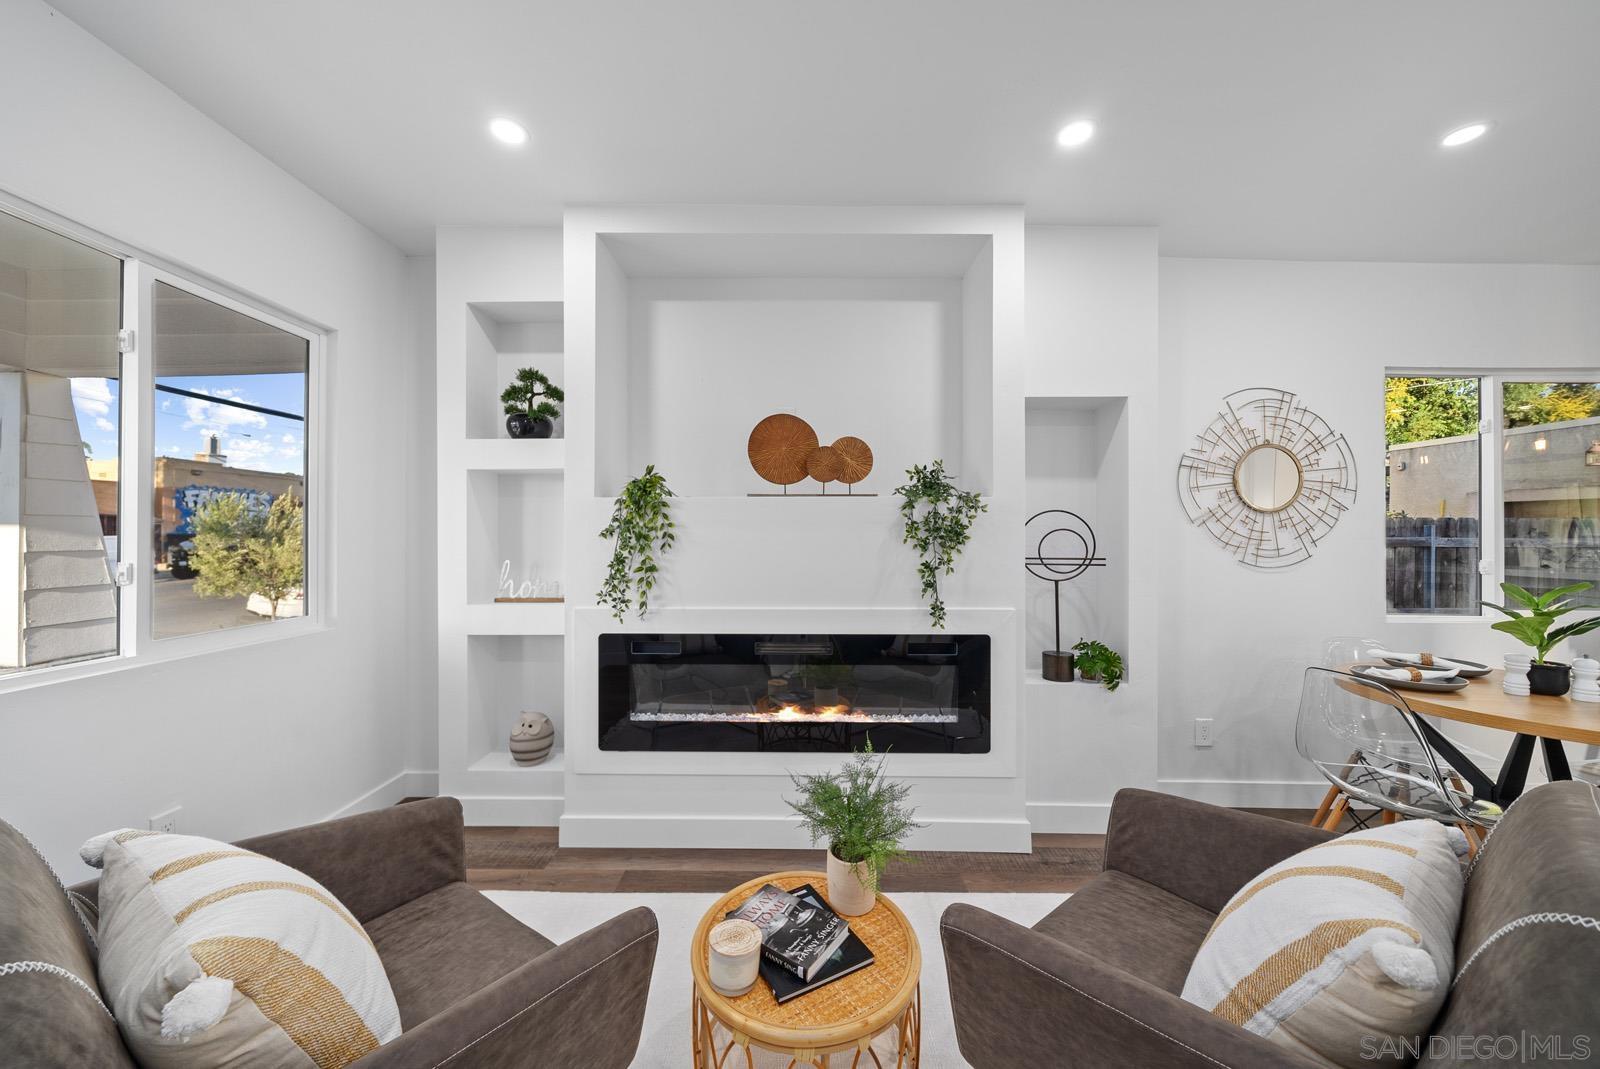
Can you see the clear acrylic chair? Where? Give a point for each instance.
(1343, 651)
(1367, 742)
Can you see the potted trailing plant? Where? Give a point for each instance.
(531, 404)
(1530, 625)
(863, 818)
(938, 518)
(641, 526)
(1098, 663)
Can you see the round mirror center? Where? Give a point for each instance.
(1267, 478)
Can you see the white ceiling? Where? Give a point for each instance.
(1263, 128)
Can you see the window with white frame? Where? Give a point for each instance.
(155, 450)
(1490, 478)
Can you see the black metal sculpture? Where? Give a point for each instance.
(1057, 568)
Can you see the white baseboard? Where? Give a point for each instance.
(1249, 794)
(1087, 818)
(643, 830)
(513, 812)
(410, 784)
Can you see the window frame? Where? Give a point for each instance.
(1491, 474)
(134, 577)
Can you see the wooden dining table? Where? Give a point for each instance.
(1534, 720)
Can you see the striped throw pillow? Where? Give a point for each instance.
(1344, 950)
(212, 955)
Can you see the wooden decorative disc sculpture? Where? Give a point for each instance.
(779, 447)
(825, 465)
(857, 458)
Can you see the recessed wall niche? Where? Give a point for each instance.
(882, 337)
(503, 336)
(1077, 459)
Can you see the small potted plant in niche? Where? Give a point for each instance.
(1530, 624)
(863, 818)
(531, 404)
(1098, 663)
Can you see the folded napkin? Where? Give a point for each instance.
(1413, 675)
(1421, 660)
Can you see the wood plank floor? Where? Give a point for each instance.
(529, 859)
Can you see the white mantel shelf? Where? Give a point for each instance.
(513, 455)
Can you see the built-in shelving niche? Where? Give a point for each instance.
(503, 336)
(884, 337)
(507, 675)
(516, 517)
(1077, 459)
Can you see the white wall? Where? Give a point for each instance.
(1233, 639)
(269, 735)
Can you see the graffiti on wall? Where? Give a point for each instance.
(189, 498)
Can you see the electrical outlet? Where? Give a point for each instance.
(1202, 731)
(167, 820)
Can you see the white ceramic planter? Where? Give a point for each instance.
(848, 894)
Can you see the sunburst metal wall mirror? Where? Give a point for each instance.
(1268, 478)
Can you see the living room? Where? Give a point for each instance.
(495, 487)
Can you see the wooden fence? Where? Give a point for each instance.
(1433, 564)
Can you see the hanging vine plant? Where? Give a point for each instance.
(641, 526)
(938, 517)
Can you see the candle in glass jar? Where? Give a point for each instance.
(735, 954)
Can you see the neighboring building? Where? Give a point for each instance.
(1551, 470)
(181, 486)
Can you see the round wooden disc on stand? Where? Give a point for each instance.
(780, 446)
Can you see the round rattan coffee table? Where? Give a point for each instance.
(838, 1018)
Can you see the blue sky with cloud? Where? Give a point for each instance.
(251, 440)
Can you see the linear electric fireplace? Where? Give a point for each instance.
(787, 693)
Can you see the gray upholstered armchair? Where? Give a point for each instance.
(1097, 981)
(475, 987)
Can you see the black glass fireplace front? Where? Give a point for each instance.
(787, 693)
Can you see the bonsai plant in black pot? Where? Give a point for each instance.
(1530, 625)
(531, 404)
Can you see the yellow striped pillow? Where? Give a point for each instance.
(1342, 951)
(212, 955)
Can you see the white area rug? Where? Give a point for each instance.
(560, 916)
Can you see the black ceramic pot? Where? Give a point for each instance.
(1551, 677)
(522, 425)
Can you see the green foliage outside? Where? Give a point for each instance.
(1425, 409)
(239, 551)
(1529, 404)
(860, 815)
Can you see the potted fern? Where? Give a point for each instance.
(863, 818)
(1530, 624)
(531, 404)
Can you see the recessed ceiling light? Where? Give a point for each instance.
(1461, 135)
(1075, 133)
(508, 132)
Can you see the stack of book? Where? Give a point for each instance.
(804, 944)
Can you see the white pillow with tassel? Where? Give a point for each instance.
(1344, 951)
(212, 955)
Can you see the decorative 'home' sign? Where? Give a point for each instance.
(1268, 478)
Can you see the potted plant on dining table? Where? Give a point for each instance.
(863, 817)
(1530, 623)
